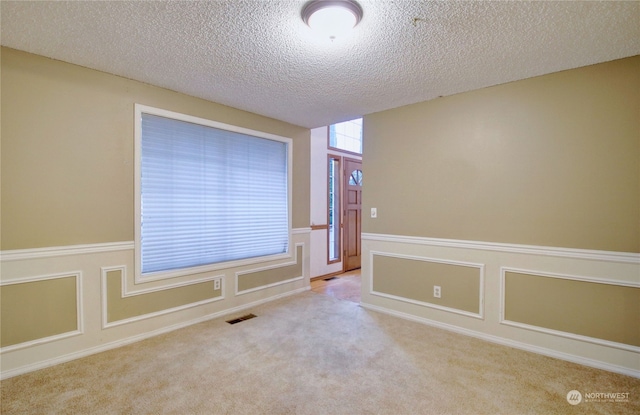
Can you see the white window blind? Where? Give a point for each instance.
(209, 195)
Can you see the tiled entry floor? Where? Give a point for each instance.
(344, 286)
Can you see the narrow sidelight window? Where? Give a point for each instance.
(334, 209)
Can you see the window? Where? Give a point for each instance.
(346, 136)
(355, 179)
(333, 210)
(208, 193)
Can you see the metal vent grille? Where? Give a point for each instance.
(330, 278)
(243, 318)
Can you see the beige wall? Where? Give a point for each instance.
(547, 161)
(68, 210)
(603, 311)
(38, 309)
(67, 151)
(413, 279)
(537, 179)
(271, 276)
(122, 308)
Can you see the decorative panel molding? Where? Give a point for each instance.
(598, 311)
(607, 340)
(41, 309)
(419, 283)
(270, 276)
(122, 307)
(599, 364)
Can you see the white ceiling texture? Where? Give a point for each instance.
(258, 55)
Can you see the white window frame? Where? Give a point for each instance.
(344, 150)
(153, 276)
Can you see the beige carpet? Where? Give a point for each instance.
(345, 286)
(314, 354)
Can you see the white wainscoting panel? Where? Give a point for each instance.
(618, 268)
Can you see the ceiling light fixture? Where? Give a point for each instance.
(332, 18)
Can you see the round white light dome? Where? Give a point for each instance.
(332, 18)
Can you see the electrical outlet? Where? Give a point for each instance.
(374, 212)
(216, 284)
(437, 291)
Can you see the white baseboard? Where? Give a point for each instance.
(508, 342)
(133, 339)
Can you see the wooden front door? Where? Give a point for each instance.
(352, 213)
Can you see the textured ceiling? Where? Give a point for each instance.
(260, 57)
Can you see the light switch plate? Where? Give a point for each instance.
(374, 212)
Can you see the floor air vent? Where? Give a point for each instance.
(330, 278)
(243, 318)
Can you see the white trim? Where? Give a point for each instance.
(274, 284)
(479, 315)
(139, 109)
(139, 337)
(79, 310)
(609, 256)
(264, 287)
(124, 293)
(55, 251)
(127, 293)
(572, 336)
(130, 293)
(568, 335)
(570, 277)
(508, 342)
(163, 275)
(430, 305)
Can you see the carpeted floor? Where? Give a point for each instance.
(314, 354)
(344, 286)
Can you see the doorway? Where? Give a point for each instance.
(352, 208)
